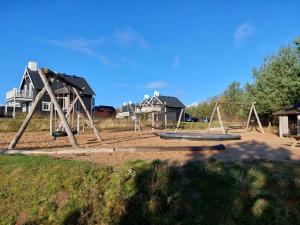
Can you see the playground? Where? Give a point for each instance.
(120, 146)
(226, 142)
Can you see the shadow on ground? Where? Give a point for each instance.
(252, 191)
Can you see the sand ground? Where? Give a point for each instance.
(252, 146)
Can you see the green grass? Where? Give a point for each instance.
(42, 190)
(37, 123)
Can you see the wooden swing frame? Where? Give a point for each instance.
(48, 77)
(224, 129)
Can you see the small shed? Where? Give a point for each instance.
(289, 120)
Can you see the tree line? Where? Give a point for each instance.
(276, 85)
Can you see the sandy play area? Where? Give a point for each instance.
(252, 146)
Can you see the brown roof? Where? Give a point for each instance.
(292, 110)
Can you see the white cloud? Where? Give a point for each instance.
(84, 46)
(193, 104)
(243, 32)
(177, 61)
(128, 37)
(157, 84)
(124, 37)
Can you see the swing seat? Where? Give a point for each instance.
(232, 127)
(61, 133)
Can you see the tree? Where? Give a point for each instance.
(277, 81)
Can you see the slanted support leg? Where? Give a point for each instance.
(88, 114)
(258, 120)
(58, 108)
(220, 120)
(28, 117)
(249, 117)
(179, 120)
(212, 116)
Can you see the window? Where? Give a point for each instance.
(46, 106)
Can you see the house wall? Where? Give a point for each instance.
(172, 115)
(175, 113)
(46, 98)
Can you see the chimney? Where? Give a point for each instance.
(32, 65)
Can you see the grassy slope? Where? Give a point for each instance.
(41, 190)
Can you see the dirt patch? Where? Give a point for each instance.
(252, 146)
(22, 219)
(61, 198)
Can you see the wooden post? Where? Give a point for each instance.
(220, 120)
(69, 111)
(88, 114)
(78, 123)
(14, 109)
(136, 120)
(166, 119)
(298, 125)
(28, 117)
(51, 117)
(152, 117)
(249, 117)
(280, 126)
(258, 120)
(212, 116)
(178, 123)
(58, 108)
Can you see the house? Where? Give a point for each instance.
(289, 120)
(158, 108)
(127, 110)
(165, 108)
(30, 85)
(103, 111)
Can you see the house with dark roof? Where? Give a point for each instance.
(159, 108)
(21, 99)
(164, 108)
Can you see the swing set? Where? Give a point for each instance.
(65, 127)
(226, 129)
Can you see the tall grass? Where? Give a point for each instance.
(41, 190)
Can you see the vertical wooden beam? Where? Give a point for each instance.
(27, 119)
(69, 111)
(280, 126)
(298, 125)
(14, 109)
(136, 120)
(179, 119)
(220, 120)
(152, 117)
(88, 114)
(166, 119)
(258, 120)
(58, 108)
(51, 117)
(78, 123)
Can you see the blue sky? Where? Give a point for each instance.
(125, 49)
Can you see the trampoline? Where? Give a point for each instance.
(198, 136)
